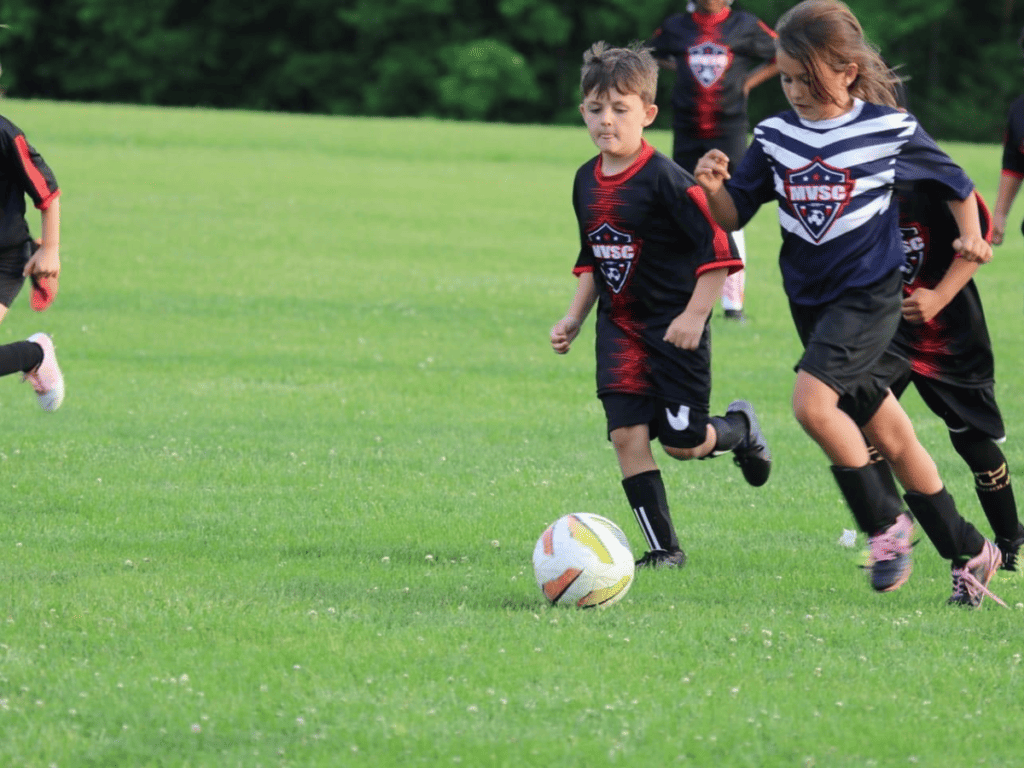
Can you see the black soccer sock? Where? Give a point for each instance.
(991, 481)
(874, 507)
(646, 495)
(730, 431)
(19, 357)
(953, 536)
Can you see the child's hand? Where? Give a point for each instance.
(998, 229)
(563, 332)
(685, 331)
(973, 248)
(711, 170)
(921, 306)
(45, 262)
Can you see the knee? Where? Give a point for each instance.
(810, 413)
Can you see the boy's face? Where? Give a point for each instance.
(616, 122)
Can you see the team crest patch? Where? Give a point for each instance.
(708, 62)
(915, 246)
(614, 252)
(817, 194)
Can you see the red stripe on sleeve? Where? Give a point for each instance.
(723, 254)
(768, 29)
(34, 176)
(1012, 174)
(580, 270)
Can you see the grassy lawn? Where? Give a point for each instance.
(313, 428)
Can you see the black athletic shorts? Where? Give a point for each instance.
(686, 151)
(642, 379)
(846, 344)
(961, 408)
(12, 265)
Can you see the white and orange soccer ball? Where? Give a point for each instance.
(583, 559)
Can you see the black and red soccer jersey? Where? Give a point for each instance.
(22, 172)
(714, 55)
(647, 235)
(1013, 143)
(953, 347)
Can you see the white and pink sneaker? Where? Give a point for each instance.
(46, 378)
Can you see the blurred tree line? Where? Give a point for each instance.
(499, 60)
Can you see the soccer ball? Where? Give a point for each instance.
(583, 559)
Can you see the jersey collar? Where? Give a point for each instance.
(711, 19)
(646, 150)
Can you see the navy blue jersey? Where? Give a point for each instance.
(647, 234)
(714, 55)
(954, 346)
(22, 172)
(833, 181)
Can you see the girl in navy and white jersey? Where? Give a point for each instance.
(831, 163)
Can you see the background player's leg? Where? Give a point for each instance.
(732, 291)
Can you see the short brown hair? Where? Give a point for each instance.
(627, 70)
(826, 33)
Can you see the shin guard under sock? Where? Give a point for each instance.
(20, 357)
(646, 495)
(729, 430)
(874, 507)
(953, 536)
(991, 481)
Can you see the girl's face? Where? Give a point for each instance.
(796, 84)
(616, 123)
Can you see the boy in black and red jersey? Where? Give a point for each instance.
(719, 55)
(24, 172)
(944, 335)
(654, 261)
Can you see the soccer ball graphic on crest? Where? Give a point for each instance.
(584, 560)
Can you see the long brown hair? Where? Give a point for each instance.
(825, 33)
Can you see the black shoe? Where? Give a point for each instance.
(751, 455)
(662, 558)
(736, 316)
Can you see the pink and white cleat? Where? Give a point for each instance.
(46, 378)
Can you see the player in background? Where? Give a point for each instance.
(23, 172)
(719, 55)
(944, 335)
(830, 163)
(653, 261)
(1013, 165)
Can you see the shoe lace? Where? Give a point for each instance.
(967, 585)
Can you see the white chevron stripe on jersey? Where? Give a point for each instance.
(843, 225)
(837, 132)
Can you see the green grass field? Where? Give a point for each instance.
(313, 429)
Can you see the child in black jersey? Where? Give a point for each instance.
(719, 55)
(24, 172)
(944, 335)
(654, 262)
(1012, 165)
(831, 163)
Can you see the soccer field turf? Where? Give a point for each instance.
(313, 429)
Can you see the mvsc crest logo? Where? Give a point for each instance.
(708, 62)
(915, 247)
(817, 194)
(615, 253)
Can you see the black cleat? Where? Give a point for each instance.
(1010, 550)
(751, 455)
(735, 315)
(662, 558)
